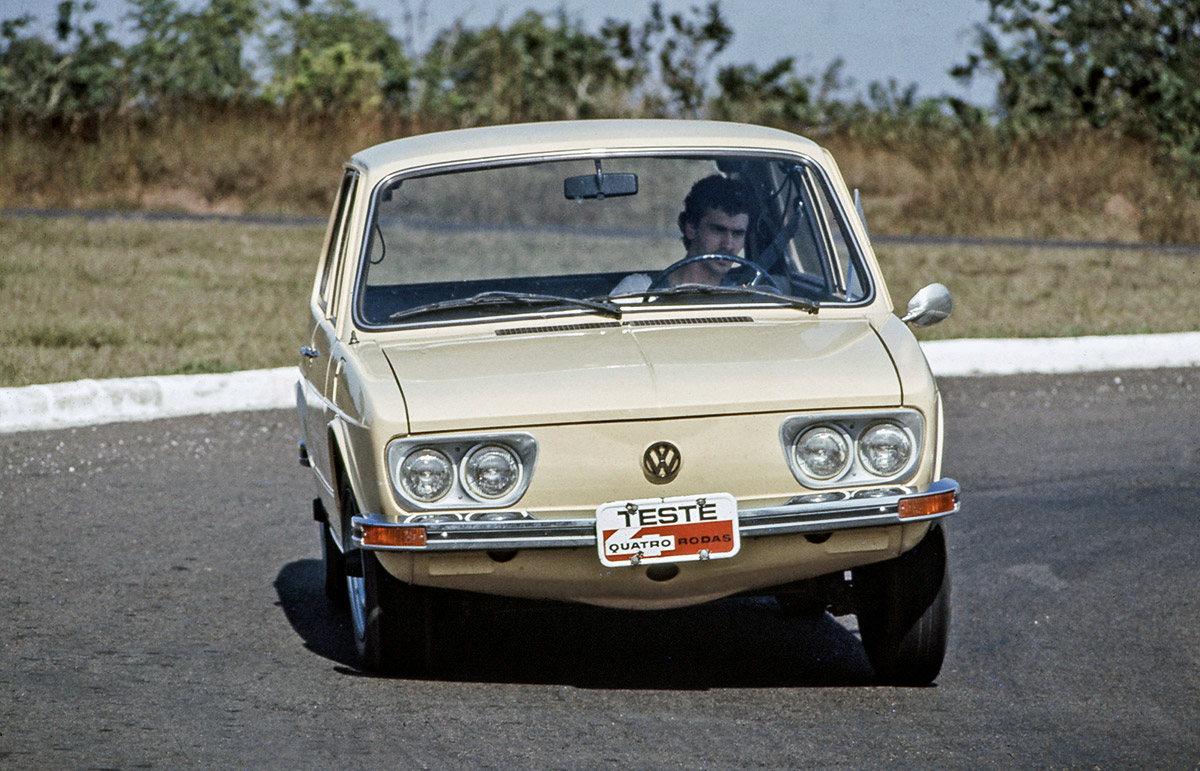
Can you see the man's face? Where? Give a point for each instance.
(718, 233)
(715, 233)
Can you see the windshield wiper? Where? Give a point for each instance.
(510, 298)
(800, 303)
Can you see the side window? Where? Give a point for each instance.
(337, 234)
(821, 244)
(809, 233)
(848, 276)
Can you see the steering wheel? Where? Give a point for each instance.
(760, 275)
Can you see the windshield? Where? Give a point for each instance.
(610, 235)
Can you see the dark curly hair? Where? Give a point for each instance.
(731, 196)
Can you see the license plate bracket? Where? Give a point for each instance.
(685, 528)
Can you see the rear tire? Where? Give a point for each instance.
(904, 612)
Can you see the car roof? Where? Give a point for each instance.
(540, 139)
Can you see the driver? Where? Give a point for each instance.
(714, 220)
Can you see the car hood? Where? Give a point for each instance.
(665, 369)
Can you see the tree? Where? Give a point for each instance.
(1129, 64)
(686, 55)
(191, 57)
(532, 69)
(665, 61)
(333, 56)
(70, 86)
(775, 96)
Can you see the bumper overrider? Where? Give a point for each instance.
(816, 513)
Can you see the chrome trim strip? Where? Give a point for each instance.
(754, 523)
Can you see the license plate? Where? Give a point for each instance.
(682, 529)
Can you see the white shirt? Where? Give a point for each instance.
(632, 284)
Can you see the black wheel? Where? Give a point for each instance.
(396, 622)
(335, 568)
(391, 620)
(801, 605)
(904, 612)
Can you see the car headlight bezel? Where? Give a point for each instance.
(854, 426)
(463, 493)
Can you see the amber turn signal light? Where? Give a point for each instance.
(375, 535)
(927, 505)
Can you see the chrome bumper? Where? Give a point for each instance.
(528, 533)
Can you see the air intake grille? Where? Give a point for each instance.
(685, 321)
(677, 322)
(559, 328)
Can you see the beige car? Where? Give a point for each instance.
(635, 364)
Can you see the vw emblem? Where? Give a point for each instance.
(660, 462)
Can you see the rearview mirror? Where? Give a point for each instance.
(599, 185)
(929, 306)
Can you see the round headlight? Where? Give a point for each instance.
(822, 452)
(885, 449)
(491, 472)
(426, 474)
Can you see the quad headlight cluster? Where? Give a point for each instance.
(848, 449)
(489, 471)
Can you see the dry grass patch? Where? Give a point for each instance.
(112, 299)
(98, 299)
(1092, 185)
(1010, 292)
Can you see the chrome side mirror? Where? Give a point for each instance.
(929, 306)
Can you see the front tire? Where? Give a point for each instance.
(904, 612)
(801, 606)
(391, 620)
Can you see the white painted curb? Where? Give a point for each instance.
(92, 402)
(1056, 355)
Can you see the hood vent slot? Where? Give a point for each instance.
(688, 320)
(684, 321)
(559, 328)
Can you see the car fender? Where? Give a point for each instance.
(917, 386)
(368, 411)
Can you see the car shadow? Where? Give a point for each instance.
(732, 643)
(324, 629)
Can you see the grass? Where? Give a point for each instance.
(1011, 292)
(101, 299)
(1088, 186)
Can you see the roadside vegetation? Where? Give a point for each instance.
(251, 106)
(119, 298)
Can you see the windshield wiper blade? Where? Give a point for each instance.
(510, 298)
(800, 303)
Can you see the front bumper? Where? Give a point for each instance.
(892, 506)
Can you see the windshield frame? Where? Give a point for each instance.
(687, 301)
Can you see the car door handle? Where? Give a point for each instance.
(309, 352)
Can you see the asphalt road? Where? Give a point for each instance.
(162, 608)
